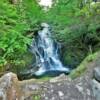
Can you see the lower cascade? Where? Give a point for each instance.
(47, 55)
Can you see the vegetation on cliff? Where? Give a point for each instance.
(76, 26)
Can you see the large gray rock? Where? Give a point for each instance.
(12, 89)
(8, 90)
(97, 73)
(96, 89)
(58, 88)
(96, 83)
(63, 88)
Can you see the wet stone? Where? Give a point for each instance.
(97, 73)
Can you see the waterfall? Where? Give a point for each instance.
(46, 51)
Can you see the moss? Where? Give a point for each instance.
(37, 97)
(45, 78)
(95, 8)
(83, 66)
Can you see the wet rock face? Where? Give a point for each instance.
(96, 83)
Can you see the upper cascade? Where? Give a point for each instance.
(46, 51)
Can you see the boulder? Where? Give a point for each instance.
(97, 73)
(58, 88)
(63, 88)
(96, 89)
(12, 89)
(96, 83)
(9, 87)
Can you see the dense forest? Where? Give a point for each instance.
(75, 24)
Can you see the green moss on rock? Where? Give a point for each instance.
(83, 66)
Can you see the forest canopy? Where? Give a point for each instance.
(75, 24)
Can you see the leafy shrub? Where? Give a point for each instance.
(12, 39)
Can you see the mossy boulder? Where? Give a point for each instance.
(83, 65)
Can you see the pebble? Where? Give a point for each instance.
(60, 93)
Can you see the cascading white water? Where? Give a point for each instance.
(46, 51)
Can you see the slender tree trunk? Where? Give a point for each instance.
(14, 1)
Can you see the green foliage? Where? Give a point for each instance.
(84, 65)
(12, 39)
(62, 14)
(70, 21)
(73, 55)
(36, 97)
(32, 12)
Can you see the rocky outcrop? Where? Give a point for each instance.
(58, 88)
(63, 88)
(96, 83)
(97, 73)
(9, 87)
(12, 89)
